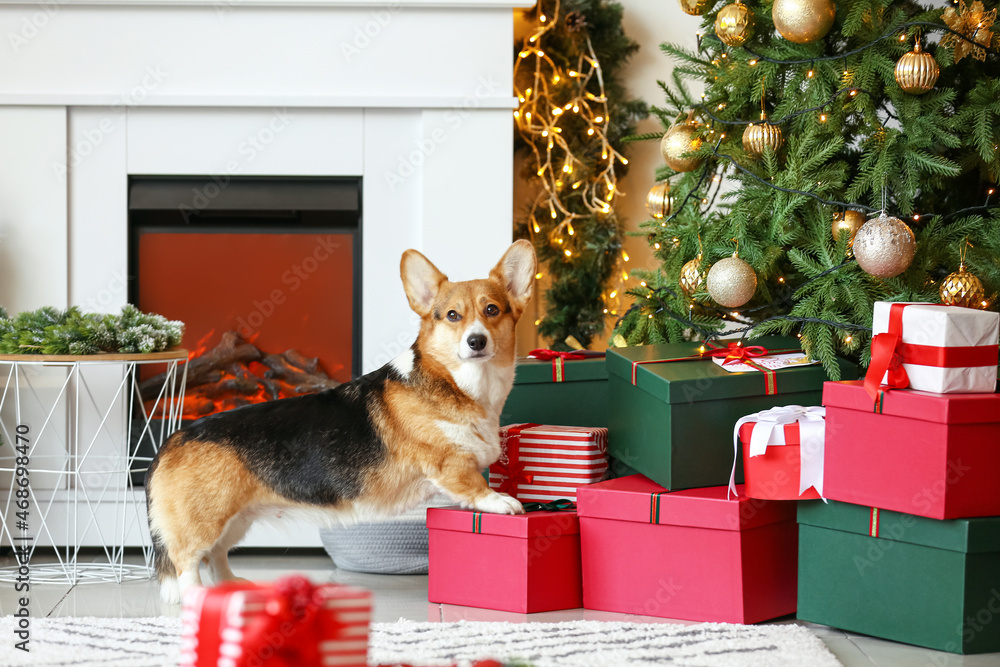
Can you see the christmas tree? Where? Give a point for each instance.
(815, 118)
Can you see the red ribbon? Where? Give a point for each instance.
(889, 353)
(558, 358)
(294, 602)
(513, 470)
(547, 355)
(735, 352)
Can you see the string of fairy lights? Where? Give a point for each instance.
(570, 188)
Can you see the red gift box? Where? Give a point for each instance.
(546, 463)
(522, 563)
(695, 554)
(290, 623)
(772, 467)
(933, 455)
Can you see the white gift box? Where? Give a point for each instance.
(938, 342)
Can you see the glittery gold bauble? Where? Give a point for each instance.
(692, 276)
(963, 289)
(693, 7)
(803, 21)
(681, 138)
(758, 137)
(658, 201)
(847, 222)
(734, 24)
(884, 246)
(731, 282)
(917, 71)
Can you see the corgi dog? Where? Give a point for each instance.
(378, 445)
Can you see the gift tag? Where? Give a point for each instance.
(772, 362)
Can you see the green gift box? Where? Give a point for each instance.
(570, 392)
(920, 581)
(674, 423)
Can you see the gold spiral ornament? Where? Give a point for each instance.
(734, 24)
(884, 246)
(803, 21)
(659, 201)
(693, 7)
(681, 138)
(758, 137)
(692, 276)
(917, 71)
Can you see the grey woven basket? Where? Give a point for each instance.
(396, 546)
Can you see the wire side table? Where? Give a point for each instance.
(90, 437)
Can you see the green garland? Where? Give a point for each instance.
(50, 330)
(574, 301)
(849, 131)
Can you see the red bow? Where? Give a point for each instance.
(287, 633)
(887, 358)
(513, 473)
(547, 355)
(736, 352)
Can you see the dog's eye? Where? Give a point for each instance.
(453, 316)
(492, 310)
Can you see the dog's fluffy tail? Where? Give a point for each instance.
(164, 566)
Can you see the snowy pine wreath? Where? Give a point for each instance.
(50, 330)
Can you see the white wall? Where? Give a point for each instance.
(33, 208)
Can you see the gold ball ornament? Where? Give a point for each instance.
(731, 282)
(693, 7)
(734, 24)
(848, 222)
(692, 276)
(803, 21)
(963, 289)
(917, 71)
(758, 137)
(884, 246)
(659, 201)
(681, 138)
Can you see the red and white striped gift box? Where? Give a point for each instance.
(545, 463)
(253, 625)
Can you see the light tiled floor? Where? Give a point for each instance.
(405, 597)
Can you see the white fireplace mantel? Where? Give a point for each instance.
(414, 97)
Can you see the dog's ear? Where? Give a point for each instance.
(516, 272)
(421, 281)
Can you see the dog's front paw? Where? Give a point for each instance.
(498, 503)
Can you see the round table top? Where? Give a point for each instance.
(168, 355)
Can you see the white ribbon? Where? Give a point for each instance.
(769, 430)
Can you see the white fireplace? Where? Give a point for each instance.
(412, 97)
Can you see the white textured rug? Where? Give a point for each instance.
(153, 642)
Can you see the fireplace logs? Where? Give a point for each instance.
(235, 373)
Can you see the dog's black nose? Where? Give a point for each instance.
(477, 342)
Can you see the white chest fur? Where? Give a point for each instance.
(487, 383)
